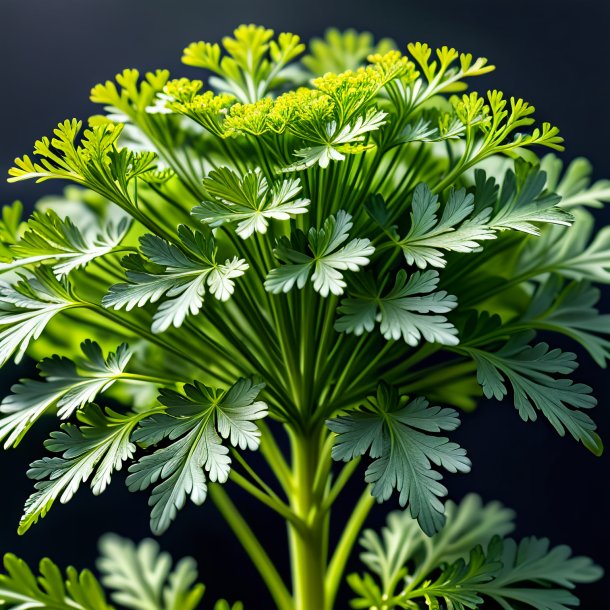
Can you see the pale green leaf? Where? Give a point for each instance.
(403, 312)
(195, 423)
(68, 386)
(325, 257)
(141, 577)
(189, 268)
(399, 437)
(249, 201)
(93, 450)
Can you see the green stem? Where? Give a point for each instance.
(307, 545)
(253, 547)
(275, 458)
(268, 500)
(334, 574)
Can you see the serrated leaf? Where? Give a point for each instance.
(399, 437)
(93, 450)
(530, 371)
(579, 253)
(195, 423)
(249, 201)
(20, 589)
(141, 577)
(325, 258)
(344, 50)
(68, 386)
(467, 565)
(468, 219)
(536, 575)
(26, 307)
(189, 268)
(574, 185)
(337, 141)
(403, 312)
(51, 238)
(570, 309)
(468, 524)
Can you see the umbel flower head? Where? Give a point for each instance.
(342, 244)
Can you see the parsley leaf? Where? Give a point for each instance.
(49, 237)
(466, 565)
(402, 312)
(68, 386)
(336, 140)
(96, 449)
(574, 185)
(250, 201)
(183, 280)
(345, 50)
(531, 563)
(26, 307)
(569, 309)
(327, 259)
(529, 370)
(141, 577)
(195, 424)
(467, 219)
(254, 61)
(579, 253)
(20, 588)
(97, 162)
(397, 435)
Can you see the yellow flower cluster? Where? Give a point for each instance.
(206, 108)
(183, 89)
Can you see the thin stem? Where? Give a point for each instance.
(273, 503)
(253, 547)
(275, 458)
(334, 574)
(344, 476)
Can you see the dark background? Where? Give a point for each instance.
(554, 54)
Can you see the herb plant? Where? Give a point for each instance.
(322, 256)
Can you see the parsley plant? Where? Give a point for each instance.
(322, 255)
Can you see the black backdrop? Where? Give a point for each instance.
(553, 53)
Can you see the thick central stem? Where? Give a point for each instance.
(308, 543)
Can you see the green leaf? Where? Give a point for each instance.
(402, 312)
(579, 253)
(429, 235)
(141, 577)
(20, 589)
(195, 424)
(26, 307)
(536, 575)
(327, 258)
(344, 50)
(95, 449)
(574, 185)
(189, 268)
(569, 309)
(250, 201)
(336, 140)
(468, 219)
(529, 370)
(10, 228)
(402, 542)
(397, 435)
(466, 565)
(68, 386)
(134, 94)
(96, 162)
(49, 238)
(254, 63)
